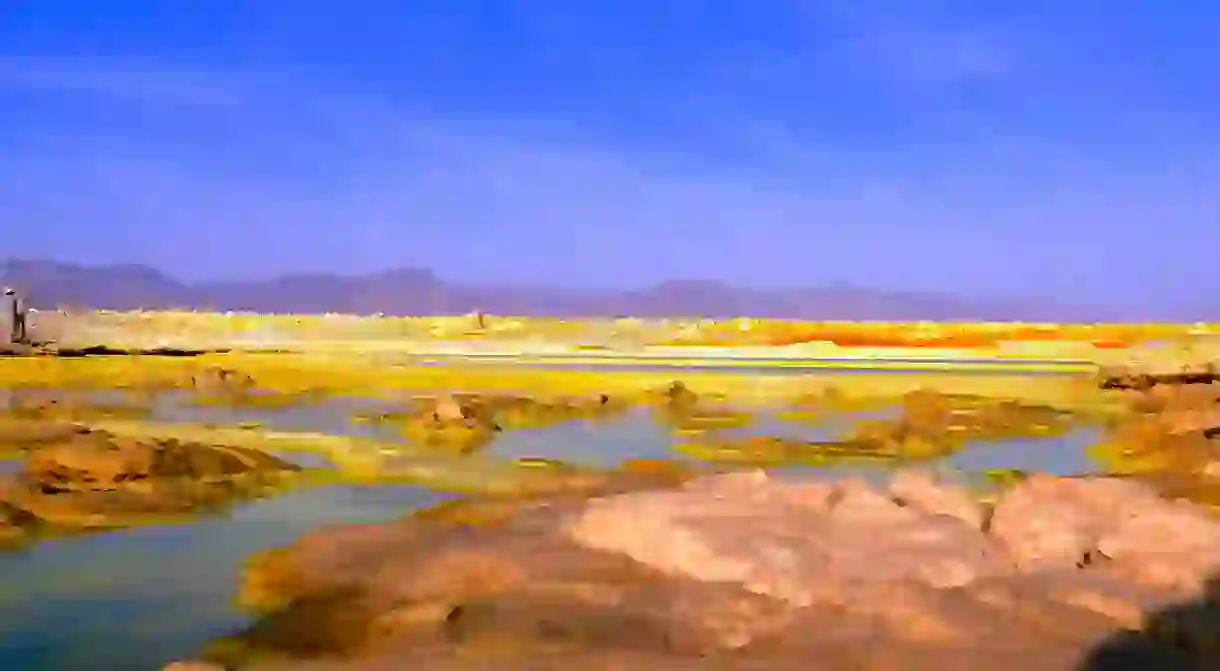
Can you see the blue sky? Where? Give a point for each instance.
(1065, 149)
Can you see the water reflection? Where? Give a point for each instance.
(332, 415)
(599, 443)
(1058, 455)
(139, 598)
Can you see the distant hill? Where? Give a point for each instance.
(416, 291)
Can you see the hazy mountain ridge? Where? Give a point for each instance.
(409, 291)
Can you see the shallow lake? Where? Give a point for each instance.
(139, 598)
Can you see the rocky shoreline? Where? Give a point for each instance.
(745, 571)
(652, 565)
(87, 479)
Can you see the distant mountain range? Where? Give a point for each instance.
(414, 291)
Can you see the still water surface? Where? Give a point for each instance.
(139, 598)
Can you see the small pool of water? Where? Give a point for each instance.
(140, 598)
(1056, 455)
(605, 442)
(333, 415)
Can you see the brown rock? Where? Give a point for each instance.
(783, 541)
(452, 425)
(97, 461)
(676, 395)
(219, 380)
(1174, 544)
(738, 571)
(1048, 522)
(13, 523)
(920, 490)
(95, 479)
(932, 423)
(519, 582)
(20, 434)
(447, 409)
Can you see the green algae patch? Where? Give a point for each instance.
(368, 375)
(700, 420)
(101, 373)
(257, 400)
(485, 475)
(461, 436)
(773, 451)
(97, 480)
(1179, 455)
(367, 461)
(1004, 478)
(258, 439)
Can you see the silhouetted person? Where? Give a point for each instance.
(14, 312)
(8, 308)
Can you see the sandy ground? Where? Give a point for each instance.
(350, 336)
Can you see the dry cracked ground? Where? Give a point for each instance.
(749, 571)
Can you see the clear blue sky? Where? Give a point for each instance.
(1047, 148)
